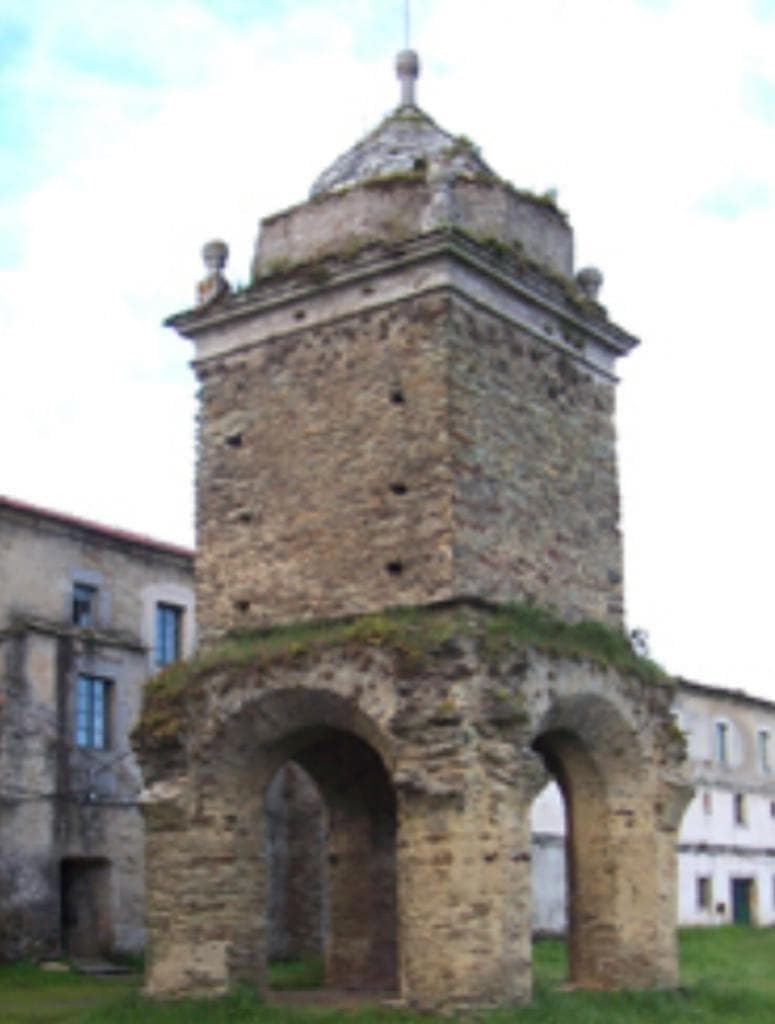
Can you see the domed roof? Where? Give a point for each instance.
(406, 178)
(407, 141)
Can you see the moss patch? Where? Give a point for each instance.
(414, 636)
(514, 254)
(529, 626)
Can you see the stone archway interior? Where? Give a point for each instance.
(296, 897)
(356, 895)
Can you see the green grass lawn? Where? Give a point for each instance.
(728, 976)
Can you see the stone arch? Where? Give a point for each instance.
(448, 750)
(346, 754)
(604, 768)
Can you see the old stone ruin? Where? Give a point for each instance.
(409, 584)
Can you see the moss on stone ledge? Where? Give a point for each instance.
(415, 636)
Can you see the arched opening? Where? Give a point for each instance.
(548, 832)
(549, 886)
(331, 851)
(600, 827)
(577, 866)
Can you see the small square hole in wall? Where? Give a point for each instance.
(399, 488)
(242, 606)
(234, 440)
(394, 568)
(397, 396)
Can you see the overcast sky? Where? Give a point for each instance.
(133, 131)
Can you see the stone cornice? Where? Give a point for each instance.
(94, 638)
(496, 279)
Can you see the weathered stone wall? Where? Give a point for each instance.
(58, 802)
(323, 474)
(43, 556)
(533, 455)
(393, 209)
(460, 743)
(403, 455)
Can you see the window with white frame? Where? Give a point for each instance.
(168, 634)
(763, 755)
(704, 893)
(92, 712)
(721, 742)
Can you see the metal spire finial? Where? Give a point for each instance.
(407, 66)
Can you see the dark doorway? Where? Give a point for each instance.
(742, 889)
(331, 830)
(85, 904)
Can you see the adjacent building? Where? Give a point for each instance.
(727, 841)
(87, 613)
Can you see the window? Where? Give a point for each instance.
(704, 893)
(169, 623)
(84, 604)
(773, 892)
(763, 751)
(707, 802)
(92, 704)
(739, 809)
(722, 742)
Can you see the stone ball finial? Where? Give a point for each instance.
(590, 281)
(407, 70)
(215, 255)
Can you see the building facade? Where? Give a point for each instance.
(87, 613)
(726, 850)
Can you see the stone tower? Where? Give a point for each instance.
(411, 406)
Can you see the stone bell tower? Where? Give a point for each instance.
(412, 402)
(410, 405)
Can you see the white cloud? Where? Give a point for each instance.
(637, 113)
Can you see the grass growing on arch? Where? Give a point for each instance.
(415, 635)
(726, 973)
